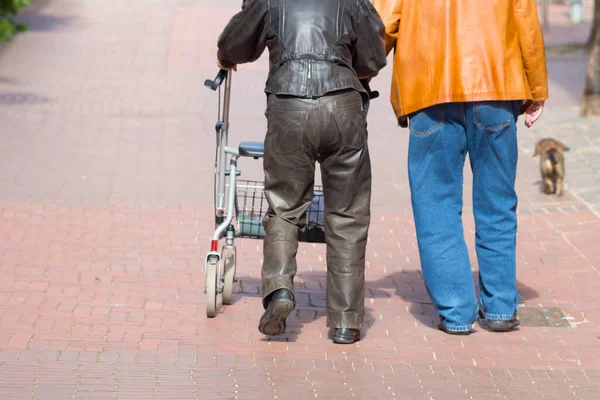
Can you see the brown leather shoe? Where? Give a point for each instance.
(281, 304)
(494, 325)
(346, 335)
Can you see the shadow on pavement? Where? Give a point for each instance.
(20, 98)
(37, 21)
(409, 286)
(310, 306)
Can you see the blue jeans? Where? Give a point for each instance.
(440, 138)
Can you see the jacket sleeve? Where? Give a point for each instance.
(531, 41)
(368, 56)
(244, 38)
(390, 12)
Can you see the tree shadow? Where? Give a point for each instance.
(7, 80)
(566, 74)
(38, 21)
(43, 22)
(21, 98)
(410, 287)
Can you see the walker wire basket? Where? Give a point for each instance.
(251, 207)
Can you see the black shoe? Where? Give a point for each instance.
(346, 335)
(281, 304)
(494, 325)
(443, 328)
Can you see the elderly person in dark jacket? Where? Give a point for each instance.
(320, 50)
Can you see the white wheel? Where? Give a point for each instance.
(229, 258)
(211, 287)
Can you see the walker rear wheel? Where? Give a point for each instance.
(229, 259)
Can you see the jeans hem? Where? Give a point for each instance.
(499, 317)
(458, 328)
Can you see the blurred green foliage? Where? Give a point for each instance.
(8, 9)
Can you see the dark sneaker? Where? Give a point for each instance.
(494, 325)
(443, 328)
(272, 322)
(346, 335)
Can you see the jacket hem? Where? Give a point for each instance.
(403, 112)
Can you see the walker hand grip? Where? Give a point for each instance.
(213, 85)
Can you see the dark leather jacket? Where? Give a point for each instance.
(315, 46)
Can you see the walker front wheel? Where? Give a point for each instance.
(212, 268)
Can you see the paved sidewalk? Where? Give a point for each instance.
(582, 136)
(561, 30)
(106, 153)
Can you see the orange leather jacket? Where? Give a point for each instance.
(463, 51)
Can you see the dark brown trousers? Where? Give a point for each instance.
(333, 127)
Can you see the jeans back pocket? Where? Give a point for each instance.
(426, 121)
(494, 116)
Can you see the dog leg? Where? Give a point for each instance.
(559, 187)
(560, 175)
(548, 185)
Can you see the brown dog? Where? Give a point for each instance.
(552, 164)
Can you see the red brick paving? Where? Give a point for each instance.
(105, 218)
(108, 315)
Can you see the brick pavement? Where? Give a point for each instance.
(105, 160)
(582, 160)
(561, 120)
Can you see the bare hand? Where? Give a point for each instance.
(533, 112)
(225, 68)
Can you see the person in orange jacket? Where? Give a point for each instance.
(463, 73)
